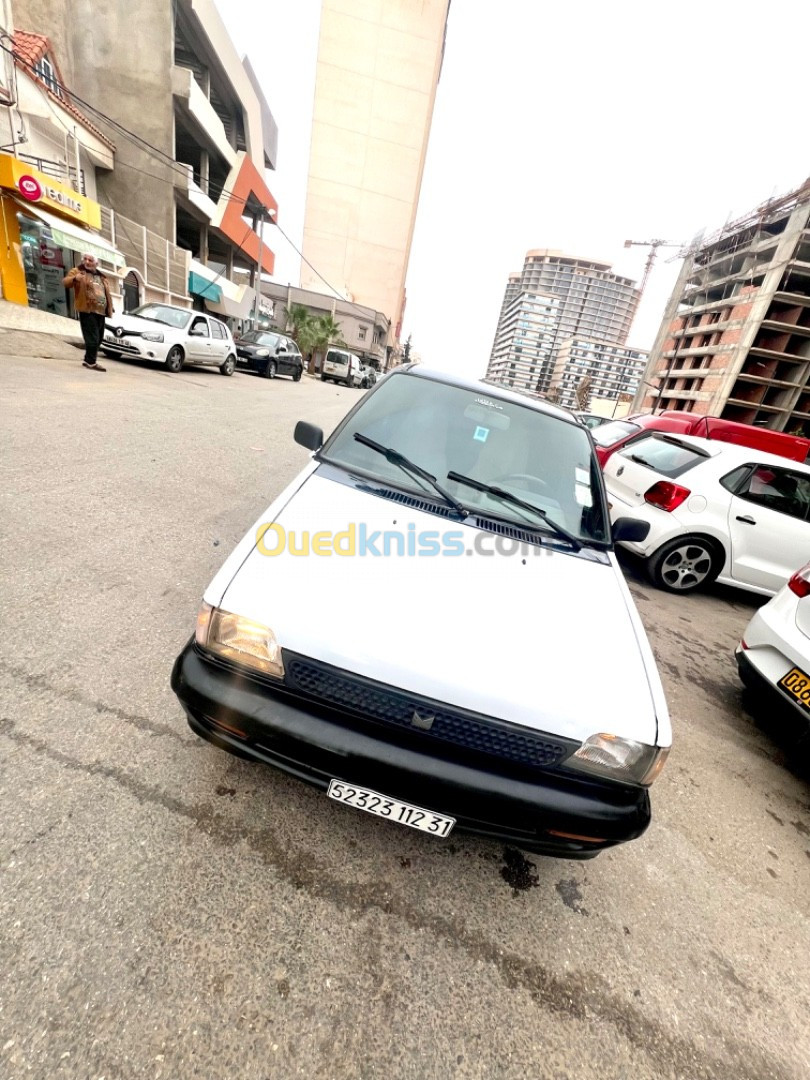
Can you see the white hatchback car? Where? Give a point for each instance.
(716, 511)
(404, 628)
(171, 335)
(773, 656)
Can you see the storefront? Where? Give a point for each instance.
(46, 228)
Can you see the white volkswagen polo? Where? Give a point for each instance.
(716, 511)
(407, 626)
(171, 335)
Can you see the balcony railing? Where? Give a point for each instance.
(57, 170)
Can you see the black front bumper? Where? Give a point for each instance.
(779, 704)
(243, 715)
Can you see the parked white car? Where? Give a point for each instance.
(171, 335)
(773, 656)
(716, 511)
(342, 366)
(346, 642)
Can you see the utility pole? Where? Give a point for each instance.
(258, 283)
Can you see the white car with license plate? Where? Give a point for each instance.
(409, 626)
(172, 336)
(717, 512)
(773, 657)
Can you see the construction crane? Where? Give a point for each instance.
(653, 245)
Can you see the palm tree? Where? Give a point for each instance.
(297, 322)
(326, 331)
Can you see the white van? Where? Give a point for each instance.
(342, 366)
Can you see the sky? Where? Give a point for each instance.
(568, 126)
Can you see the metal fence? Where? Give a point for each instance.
(162, 265)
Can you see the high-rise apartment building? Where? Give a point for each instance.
(377, 72)
(592, 303)
(524, 341)
(613, 372)
(735, 338)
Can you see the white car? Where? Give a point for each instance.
(717, 512)
(773, 656)
(171, 335)
(342, 366)
(404, 626)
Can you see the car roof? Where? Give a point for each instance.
(732, 452)
(491, 390)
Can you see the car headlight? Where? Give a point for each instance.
(152, 336)
(262, 352)
(240, 640)
(620, 759)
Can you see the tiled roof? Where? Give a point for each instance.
(29, 49)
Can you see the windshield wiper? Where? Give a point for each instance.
(639, 460)
(395, 458)
(507, 496)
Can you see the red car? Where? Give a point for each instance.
(618, 433)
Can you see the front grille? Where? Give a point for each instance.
(376, 701)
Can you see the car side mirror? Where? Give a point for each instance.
(308, 435)
(631, 530)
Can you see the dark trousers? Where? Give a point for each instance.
(93, 332)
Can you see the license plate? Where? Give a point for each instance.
(797, 685)
(416, 817)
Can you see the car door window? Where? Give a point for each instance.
(782, 490)
(199, 328)
(217, 331)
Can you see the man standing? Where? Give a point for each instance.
(93, 303)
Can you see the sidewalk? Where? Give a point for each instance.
(28, 332)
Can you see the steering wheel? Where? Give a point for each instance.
(533, 483)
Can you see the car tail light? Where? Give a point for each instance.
(666, 495)
(743, 644)
(800, 582)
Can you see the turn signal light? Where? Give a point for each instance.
(666, 495)
(800, 582)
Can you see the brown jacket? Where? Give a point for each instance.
(78, 280)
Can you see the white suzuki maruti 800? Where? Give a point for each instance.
(429, 624)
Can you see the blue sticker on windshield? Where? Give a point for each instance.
(481, 434)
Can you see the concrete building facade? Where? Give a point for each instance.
(363, 330)
(735, 338)
(591, 303)
(169, 74)
(524, 342)
(377, 72)
(614, 372)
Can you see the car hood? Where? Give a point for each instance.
(140, 326)
(549, 639)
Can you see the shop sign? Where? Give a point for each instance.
(36, 187)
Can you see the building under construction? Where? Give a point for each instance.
(735, 338)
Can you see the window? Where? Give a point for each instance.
(782, 490)
(199, 328)
(361, 333)
(663, 454)
(218, 330)
(47, 74)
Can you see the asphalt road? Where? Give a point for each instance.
(169, 912)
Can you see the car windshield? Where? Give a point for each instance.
(258, 337)
(615, 431)
(170, 316)
(538, 457)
